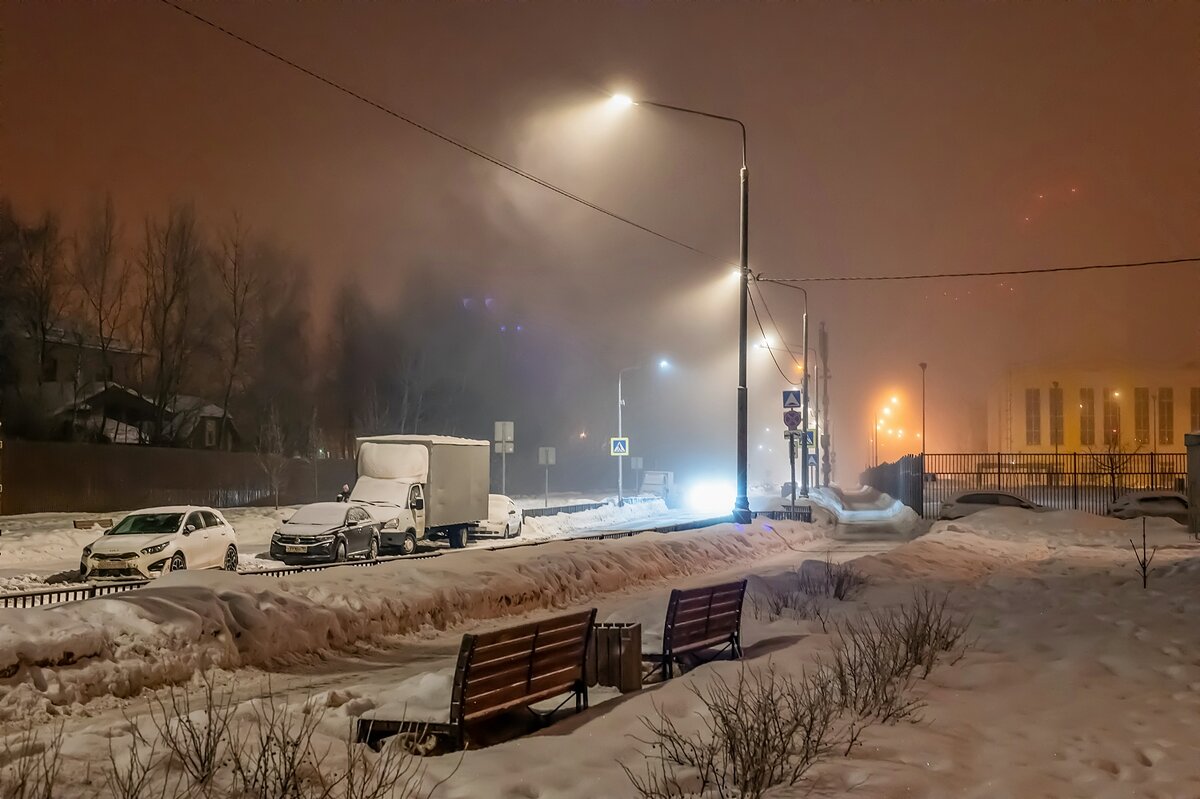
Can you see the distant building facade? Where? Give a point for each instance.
(1038, 409)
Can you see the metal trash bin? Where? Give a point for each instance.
(615, 656)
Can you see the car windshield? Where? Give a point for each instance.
(148, 524)
(319, 514)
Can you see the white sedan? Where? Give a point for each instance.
(974, 501)
(1171, 504)
(148, 543)
(504, 517)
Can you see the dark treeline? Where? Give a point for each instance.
(176, 305)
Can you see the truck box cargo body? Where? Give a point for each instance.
(432, 485)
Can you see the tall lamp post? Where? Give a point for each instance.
(663, 364)
(923, 366)
(741, 504)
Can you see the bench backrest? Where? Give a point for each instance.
(701, 617)
(519, 666)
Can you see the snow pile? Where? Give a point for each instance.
(864, 506)
(189, 620)
(563, 525)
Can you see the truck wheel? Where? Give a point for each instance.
(409, 545)
(458, 537)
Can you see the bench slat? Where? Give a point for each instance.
(563, 679)
(520, 672)
(523, 701)
(486, 651)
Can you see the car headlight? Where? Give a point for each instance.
(87, 550)
(156, 548)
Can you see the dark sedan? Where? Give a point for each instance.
(326, 532)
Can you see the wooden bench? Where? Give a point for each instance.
(500, 671)
(699, 619)
(88, 524)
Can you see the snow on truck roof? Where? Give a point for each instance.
(466, 442)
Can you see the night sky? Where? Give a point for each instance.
(884, 139)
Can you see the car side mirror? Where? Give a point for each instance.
(191, 528)
(418, 504)
(352, 523)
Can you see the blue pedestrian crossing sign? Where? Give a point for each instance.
(791, 399)
(618, 447)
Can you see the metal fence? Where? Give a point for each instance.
(1086, 481)
(39, 476)
(43, 597)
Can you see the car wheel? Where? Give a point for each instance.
(178, 562)
(373, 549)
(231, 559)
(339, 554)
(517, 531)
(409, 545)
(458, 537)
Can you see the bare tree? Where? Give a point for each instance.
(171, 258)
(40, 277)
(102, 279)
(241, 281)
(1114, 461)
(271, 456)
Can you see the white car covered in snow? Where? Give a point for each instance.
(974, 501)
(1169, 504)
(148, 543)
(504, 517)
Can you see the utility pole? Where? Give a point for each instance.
(826, 438)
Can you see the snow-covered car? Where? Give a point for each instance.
(326, 532)
(974, 501)
(1170, 504)
(148, 543)
(504, 517)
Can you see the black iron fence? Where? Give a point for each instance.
(1087, 481)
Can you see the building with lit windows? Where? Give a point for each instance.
(1037, 409)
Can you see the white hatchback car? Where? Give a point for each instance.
(504, 517)
(974, 501)
(1171, 504)
(148, 543)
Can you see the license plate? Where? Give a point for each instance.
(295, 548)
(116, 564)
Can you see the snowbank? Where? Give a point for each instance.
(563, 525)
(190, 620)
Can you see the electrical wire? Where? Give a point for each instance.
(783, 339)
(438, 134)
(784, 281)
(770, 350)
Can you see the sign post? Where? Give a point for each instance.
(546, 458)
(504, 446)
(791, 420)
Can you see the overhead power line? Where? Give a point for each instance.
(436, 133)
(1004, 273)
(770, 350)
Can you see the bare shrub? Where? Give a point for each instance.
(395, 773)
(130, 777)
(31, 762)
(837, 580)
(873, 665)
(762, 731)
(1143, 559)
(277, 760)
(195, 729)
(775, 604)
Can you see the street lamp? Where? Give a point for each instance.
(663, 365)
(741, 505)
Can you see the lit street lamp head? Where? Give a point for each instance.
(664, 364)
(621, 101)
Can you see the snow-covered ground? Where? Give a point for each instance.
(1079, 683)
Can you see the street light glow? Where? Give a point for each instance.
(887, 411)
(895, 400)
(621, 101)
(664, 364)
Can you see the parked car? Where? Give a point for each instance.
(1170, 504)
(326, 532)
(148, 543)
(974, 501)
(504, 517)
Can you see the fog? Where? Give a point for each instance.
(883, 140)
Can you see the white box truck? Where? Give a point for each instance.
(422, 486)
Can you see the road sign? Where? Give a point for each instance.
(635, 463)
(545, 456)
(504, 448)
(504, 432)
(812, 459)
(791, 419)
(791, 399)
(618, 447)
(805, 436)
